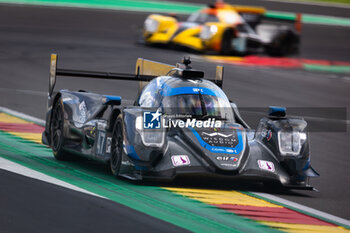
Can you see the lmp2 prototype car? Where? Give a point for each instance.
(225, 29)
(179, 125)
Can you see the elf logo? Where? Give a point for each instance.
(227, 158)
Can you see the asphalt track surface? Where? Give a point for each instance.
(71, 211)
(105, 41)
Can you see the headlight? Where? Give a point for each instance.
(151, 25)
(149, 137)
(290, 143)
(208, 31)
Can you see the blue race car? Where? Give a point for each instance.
(180, 124)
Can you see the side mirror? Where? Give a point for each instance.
(276, 111)
(112, 100)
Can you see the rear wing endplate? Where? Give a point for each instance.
(53, 67)
(147, 67)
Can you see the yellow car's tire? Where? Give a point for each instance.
(226, 42)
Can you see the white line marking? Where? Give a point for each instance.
(29, 92)
(67, 185)
(303, 208)
(24, 171)
(23, 116)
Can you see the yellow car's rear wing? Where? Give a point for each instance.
(250, 13)
(146, 70)
(246, 10)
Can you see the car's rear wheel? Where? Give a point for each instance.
(284, 44)
(280, 50)
(117, 146)
(56, 132)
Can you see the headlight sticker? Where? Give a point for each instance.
(266, 165)
(180, 160)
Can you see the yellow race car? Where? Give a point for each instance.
(223, 29)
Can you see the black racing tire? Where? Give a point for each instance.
(117, 146)
(226, 42)
(56, 132)
(280, 51)
(285, 43)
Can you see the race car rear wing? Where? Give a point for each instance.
(146, 70)
(254, 14)
(295, 19)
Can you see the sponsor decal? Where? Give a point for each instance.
(221, 139)
(228, 164)
(224, 150)
(108, 144)
(80, 119)
(269, 135)
(83, 112)
(266, 165)
(217, 134)
(223, 158)
(266, 134)
(218, 144)
(226, 158)
(180, 160)
(197, 90)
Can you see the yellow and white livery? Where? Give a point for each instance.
(221, 28)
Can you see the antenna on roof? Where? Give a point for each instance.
(187, 61)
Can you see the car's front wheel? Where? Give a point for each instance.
(117, 146)
(56, 132)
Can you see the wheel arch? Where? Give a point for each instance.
(113, 118)
(57, 96)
